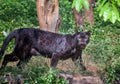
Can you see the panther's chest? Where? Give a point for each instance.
(68, 54)
(73, 51)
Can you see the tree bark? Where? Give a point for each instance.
(88, 15)
(48, 15)
(79, 19)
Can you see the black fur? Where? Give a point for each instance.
(30, 41)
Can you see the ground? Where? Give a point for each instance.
(72, 73)
(80, 77)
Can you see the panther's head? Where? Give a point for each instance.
(83, 39)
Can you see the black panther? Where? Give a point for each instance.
(33, 42)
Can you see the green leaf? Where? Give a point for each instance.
(103, 9)
(118, 19)
(101, 12)
(73, 4)
(113, 18)
(100, 5)
(116, 11)
(114, 14)
(79, 5)
(109, 11)
(118, 2)
(107, 14)
(86, 4)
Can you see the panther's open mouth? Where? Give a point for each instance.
(82, 46)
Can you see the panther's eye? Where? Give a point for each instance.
(82, 36)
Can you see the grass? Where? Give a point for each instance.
(37, 67)
(99, 54)
(102, 54)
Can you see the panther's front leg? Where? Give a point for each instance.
(54, 60)
(77, 59)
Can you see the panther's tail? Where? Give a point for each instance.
(6, 42)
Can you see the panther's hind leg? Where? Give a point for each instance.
(9, 58)
(23, 61)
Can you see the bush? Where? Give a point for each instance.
(18, 12)
(32, 75)
(113, 72)
(68, 22)
(104, 48)
(51, 77)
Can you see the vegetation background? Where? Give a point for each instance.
(103, 49)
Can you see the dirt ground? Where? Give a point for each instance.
(77, 77)
(73, 74)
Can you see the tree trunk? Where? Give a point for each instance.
(48, 15)
(79, 19)
(88, 15)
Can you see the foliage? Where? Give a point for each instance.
(104, 46)
(68, 22)
(113, 71)
(52, 77)
(33, 75)
(17, 13)
(109, 10)
(79, 4)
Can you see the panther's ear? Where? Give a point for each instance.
(88, 33)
